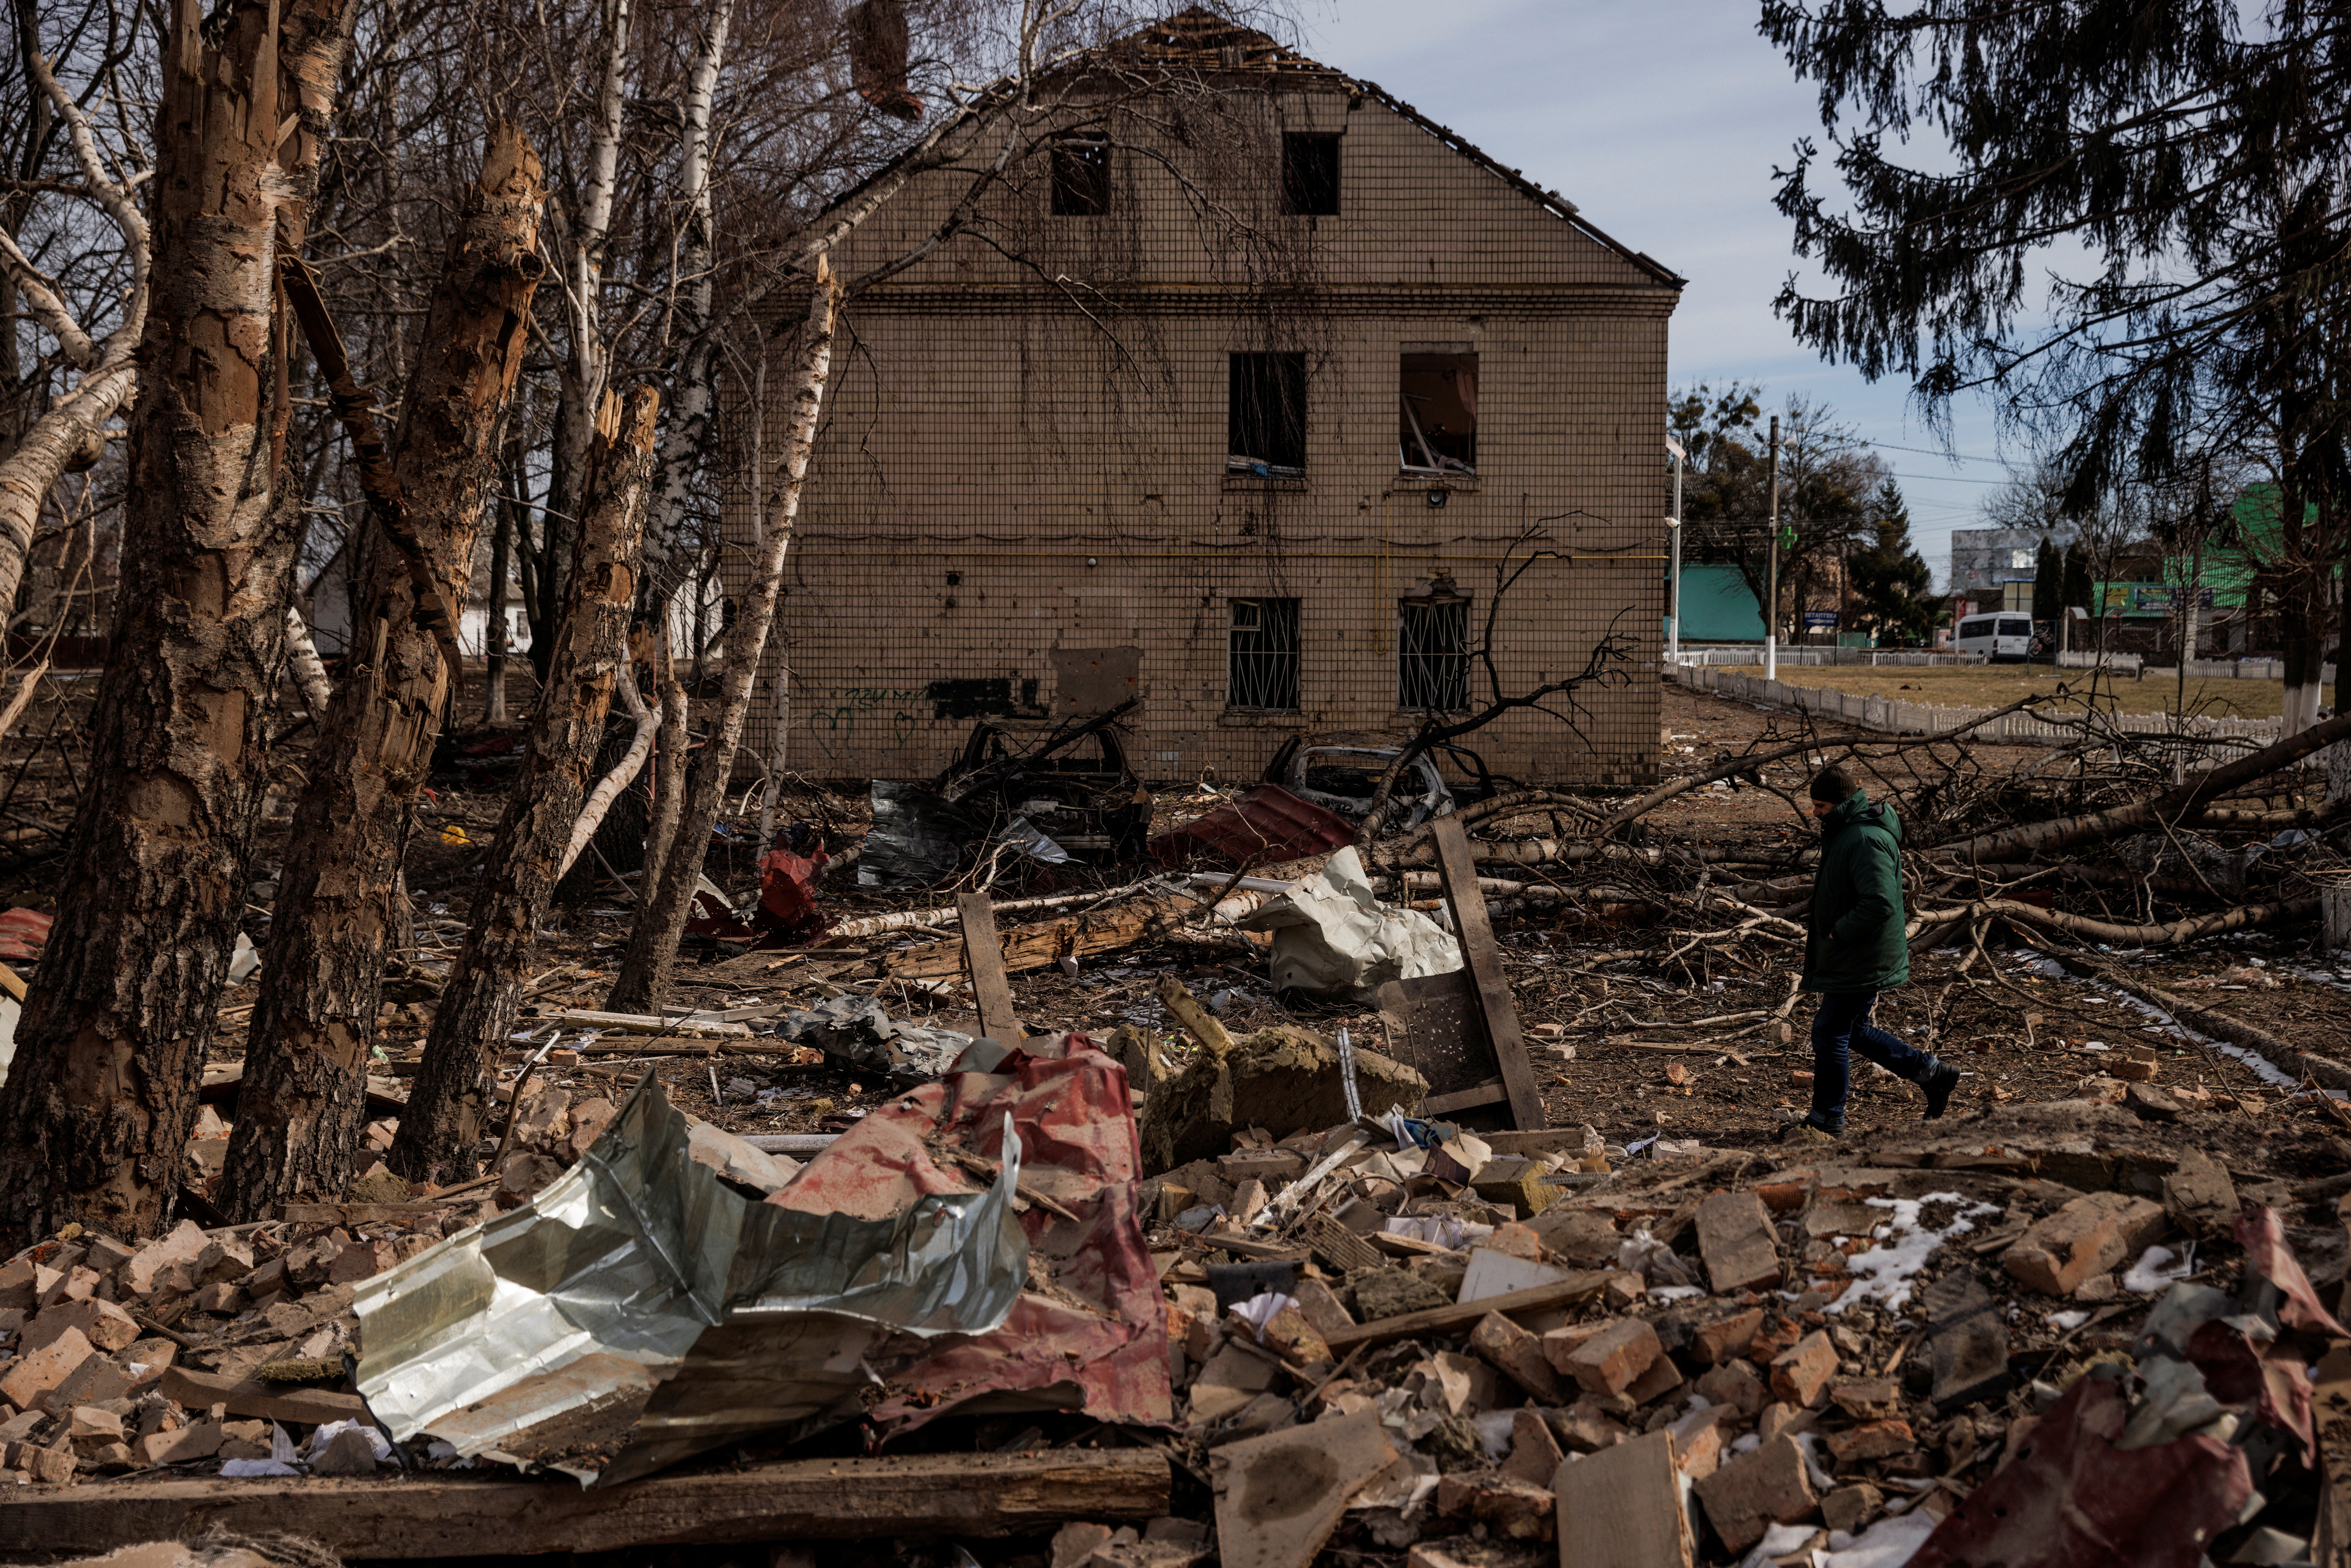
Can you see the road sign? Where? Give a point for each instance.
(1820, 618)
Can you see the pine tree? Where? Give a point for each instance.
(2080, 591)
(1892, 587)
(2192, 153)
(2048, 581)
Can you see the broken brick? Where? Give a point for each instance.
(1725, 1337)
(1735, 1384)
(1851, 1507)
(91, 1429)
(1535, 1454)
(1866, 1399)
(1518, 1355)
(201, 1441)
(33, 1377)
(1800, 1374)
(1872, 1440)
(1515, 1510)
(1584, 1429)
(1766, 1485)
(2089, 1237)
(1610, 1361)
(102, 1323)
(182, 1246)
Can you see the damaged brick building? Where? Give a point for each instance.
(1250, 426)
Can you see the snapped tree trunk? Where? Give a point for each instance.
(95, 1114)
(661, 914)
(299, 1109)
(483, 994)
(2146, 816)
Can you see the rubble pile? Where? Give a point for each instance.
(2037, 1336)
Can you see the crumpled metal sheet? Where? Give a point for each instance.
(640, 1310)
(1333, 938)
(1090, 1333)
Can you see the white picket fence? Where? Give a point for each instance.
(1752, 654)
(1892, 717)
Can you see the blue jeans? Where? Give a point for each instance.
(1841, 1026)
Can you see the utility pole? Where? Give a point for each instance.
(1674, 583)
(1771, 570)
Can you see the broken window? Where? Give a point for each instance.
(1437, 418)
(1433, 654)
(1310, 173)
(1081, 175)
(1265, 415)
(1261, 662)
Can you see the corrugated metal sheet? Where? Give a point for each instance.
(1264, 826)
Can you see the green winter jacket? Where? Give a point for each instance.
(1855, 943)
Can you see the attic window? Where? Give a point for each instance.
(1080, 176)
(1265, 415)
(1310, 173)
(1436, 399)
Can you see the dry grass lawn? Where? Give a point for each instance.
(1996, 686)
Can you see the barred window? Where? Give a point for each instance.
(1433, 654)
(1262, 659)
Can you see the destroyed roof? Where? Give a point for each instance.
(1197, 39)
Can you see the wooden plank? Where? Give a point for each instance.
(983, 960)
(1575, 1288)
(357, 1213)
(645, 1023)
(1621, 1508)
(1484, 959)
(430, 1516)
(1338, 1246)
(1490, 1092)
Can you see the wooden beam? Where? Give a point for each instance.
(1484, 960)
(1465, 1314)
(1492, 1091)
(983, 957)
(1197, 1021)
(444, 1515)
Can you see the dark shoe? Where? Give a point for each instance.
(1941, 1079)
(1805, 1130)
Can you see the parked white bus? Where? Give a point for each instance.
(1995, 637)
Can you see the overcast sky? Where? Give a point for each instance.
(1663, 123)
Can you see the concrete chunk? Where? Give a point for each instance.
(1535, 1455)
(1766, 1485)
(1967, 1342)
(2199, 1194)
(1621, 1508)
(1736, 1241)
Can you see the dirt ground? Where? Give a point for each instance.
(1730, 1085)
(1996, 686)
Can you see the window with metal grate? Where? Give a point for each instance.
(1262, 659)
(1433, 654)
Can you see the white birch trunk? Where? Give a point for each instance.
(623, 774)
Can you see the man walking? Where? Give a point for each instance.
(1854, 949)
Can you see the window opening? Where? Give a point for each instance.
(1310, 173)
(1433, 654)
(1437, 396)
(1080, 176)
(1261, 662)
(1265, 415)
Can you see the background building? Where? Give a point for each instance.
(1258, 433)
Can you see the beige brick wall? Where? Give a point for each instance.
(1009, 467)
